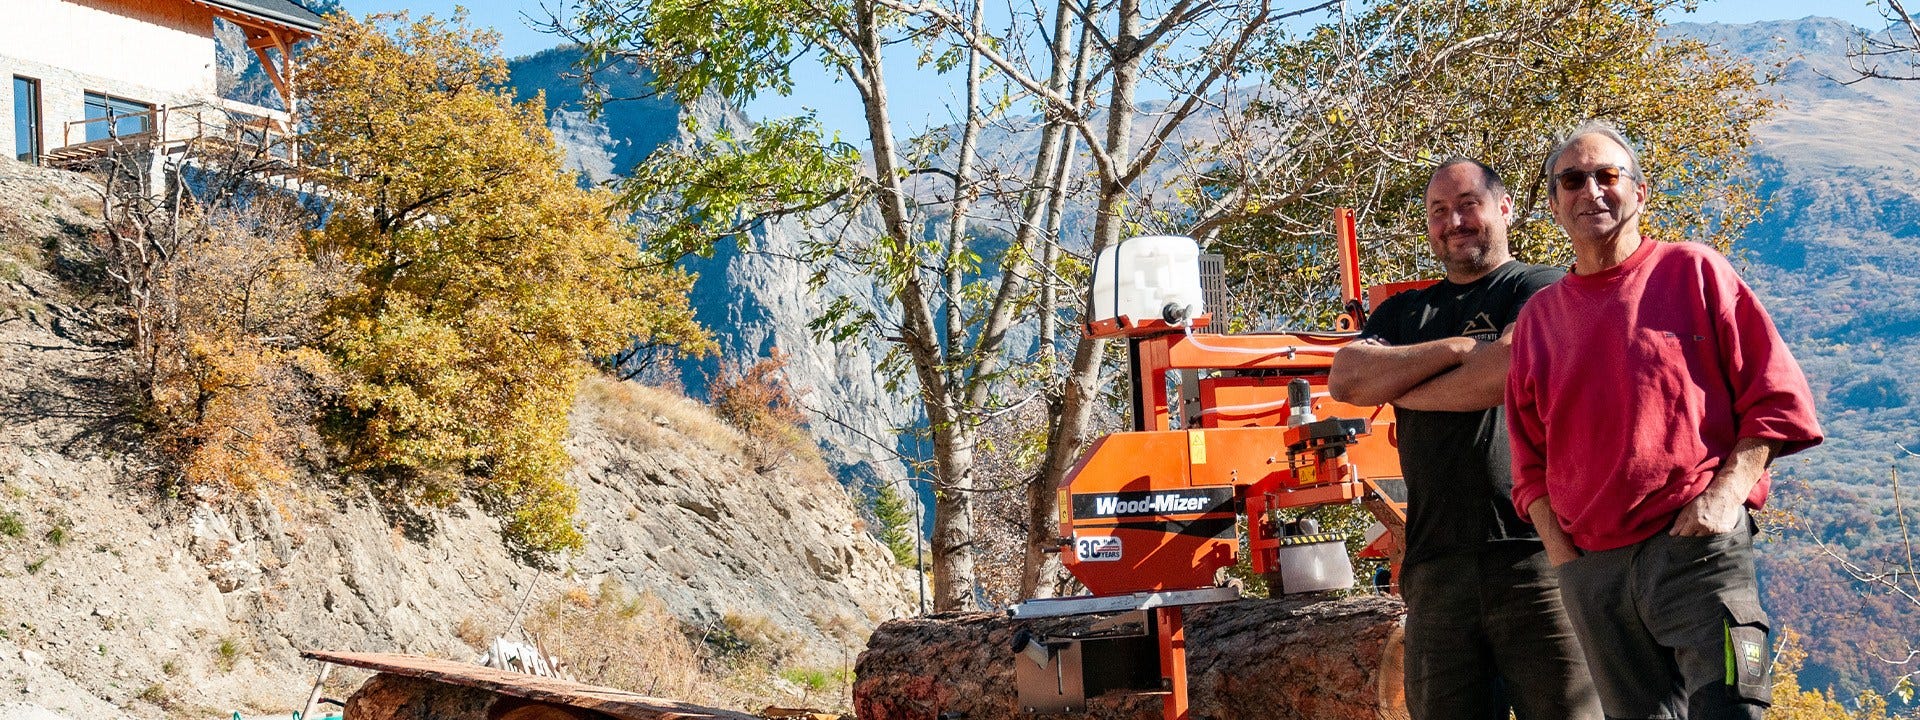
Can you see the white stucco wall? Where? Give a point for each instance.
(154, 51)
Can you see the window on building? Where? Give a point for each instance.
(26, 119)
(116, 116)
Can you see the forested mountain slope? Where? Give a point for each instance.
(1836, 259)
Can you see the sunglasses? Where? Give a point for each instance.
(1572, 180)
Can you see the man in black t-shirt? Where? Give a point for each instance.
(1485, 628)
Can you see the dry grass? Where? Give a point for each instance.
(648, 416)
(618, 639)
(610, 636)
(652, 417)
(841, 626)
(745, 641)
(473, 631)
(160, 696)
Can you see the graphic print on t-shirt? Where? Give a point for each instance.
(1481, 327)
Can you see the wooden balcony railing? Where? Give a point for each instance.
(172, 129)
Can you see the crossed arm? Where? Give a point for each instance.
(1456, 373)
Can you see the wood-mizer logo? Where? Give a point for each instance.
(1150, 503)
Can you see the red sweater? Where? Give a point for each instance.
(1630, 386)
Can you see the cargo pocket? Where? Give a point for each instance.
(1749, 653)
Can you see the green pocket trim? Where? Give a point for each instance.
(1726, 630)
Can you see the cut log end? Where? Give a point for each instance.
(1266, 659)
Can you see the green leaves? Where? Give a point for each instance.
(698, 195)
(732, 49)
(1371, 109)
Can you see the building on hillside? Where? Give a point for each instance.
(87, 75)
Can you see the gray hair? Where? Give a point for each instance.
(1592, 127)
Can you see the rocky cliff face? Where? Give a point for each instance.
(117, 600)
(755, 295)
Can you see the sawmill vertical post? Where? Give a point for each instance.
(1347, 240)
(1173, 661)
(1147, 366)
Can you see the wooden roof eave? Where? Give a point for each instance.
(263, 34)
(257, 23)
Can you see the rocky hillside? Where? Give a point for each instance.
(118, 599)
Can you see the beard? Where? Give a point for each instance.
(1474, 258)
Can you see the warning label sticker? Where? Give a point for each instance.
(1097, 548)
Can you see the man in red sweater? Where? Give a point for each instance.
(1647, 394)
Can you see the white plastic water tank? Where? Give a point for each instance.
(1140, 276)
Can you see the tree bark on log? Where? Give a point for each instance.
(411, 687)
(1252, 659)
(394, 697)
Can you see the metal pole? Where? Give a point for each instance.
(313, 699)
(515, 622)
(919, 561)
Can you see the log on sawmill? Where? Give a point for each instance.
(1265, 659)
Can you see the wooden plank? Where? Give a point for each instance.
(616, 703)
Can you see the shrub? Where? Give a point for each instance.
(221, 297)
(160, 695)
(221, 325)
(819, 681)
(60, 533)
(759, 400)
(473, 631)
(226, 654)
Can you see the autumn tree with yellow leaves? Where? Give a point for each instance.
(484, 277)
(1791, 702)
(219, 298)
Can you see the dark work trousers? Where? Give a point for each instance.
(1672, 627)
(1485, 633)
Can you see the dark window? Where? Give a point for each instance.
(116, 117)
(26, 119)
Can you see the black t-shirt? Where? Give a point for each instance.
(1458, 465)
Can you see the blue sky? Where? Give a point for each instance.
(837, 105)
